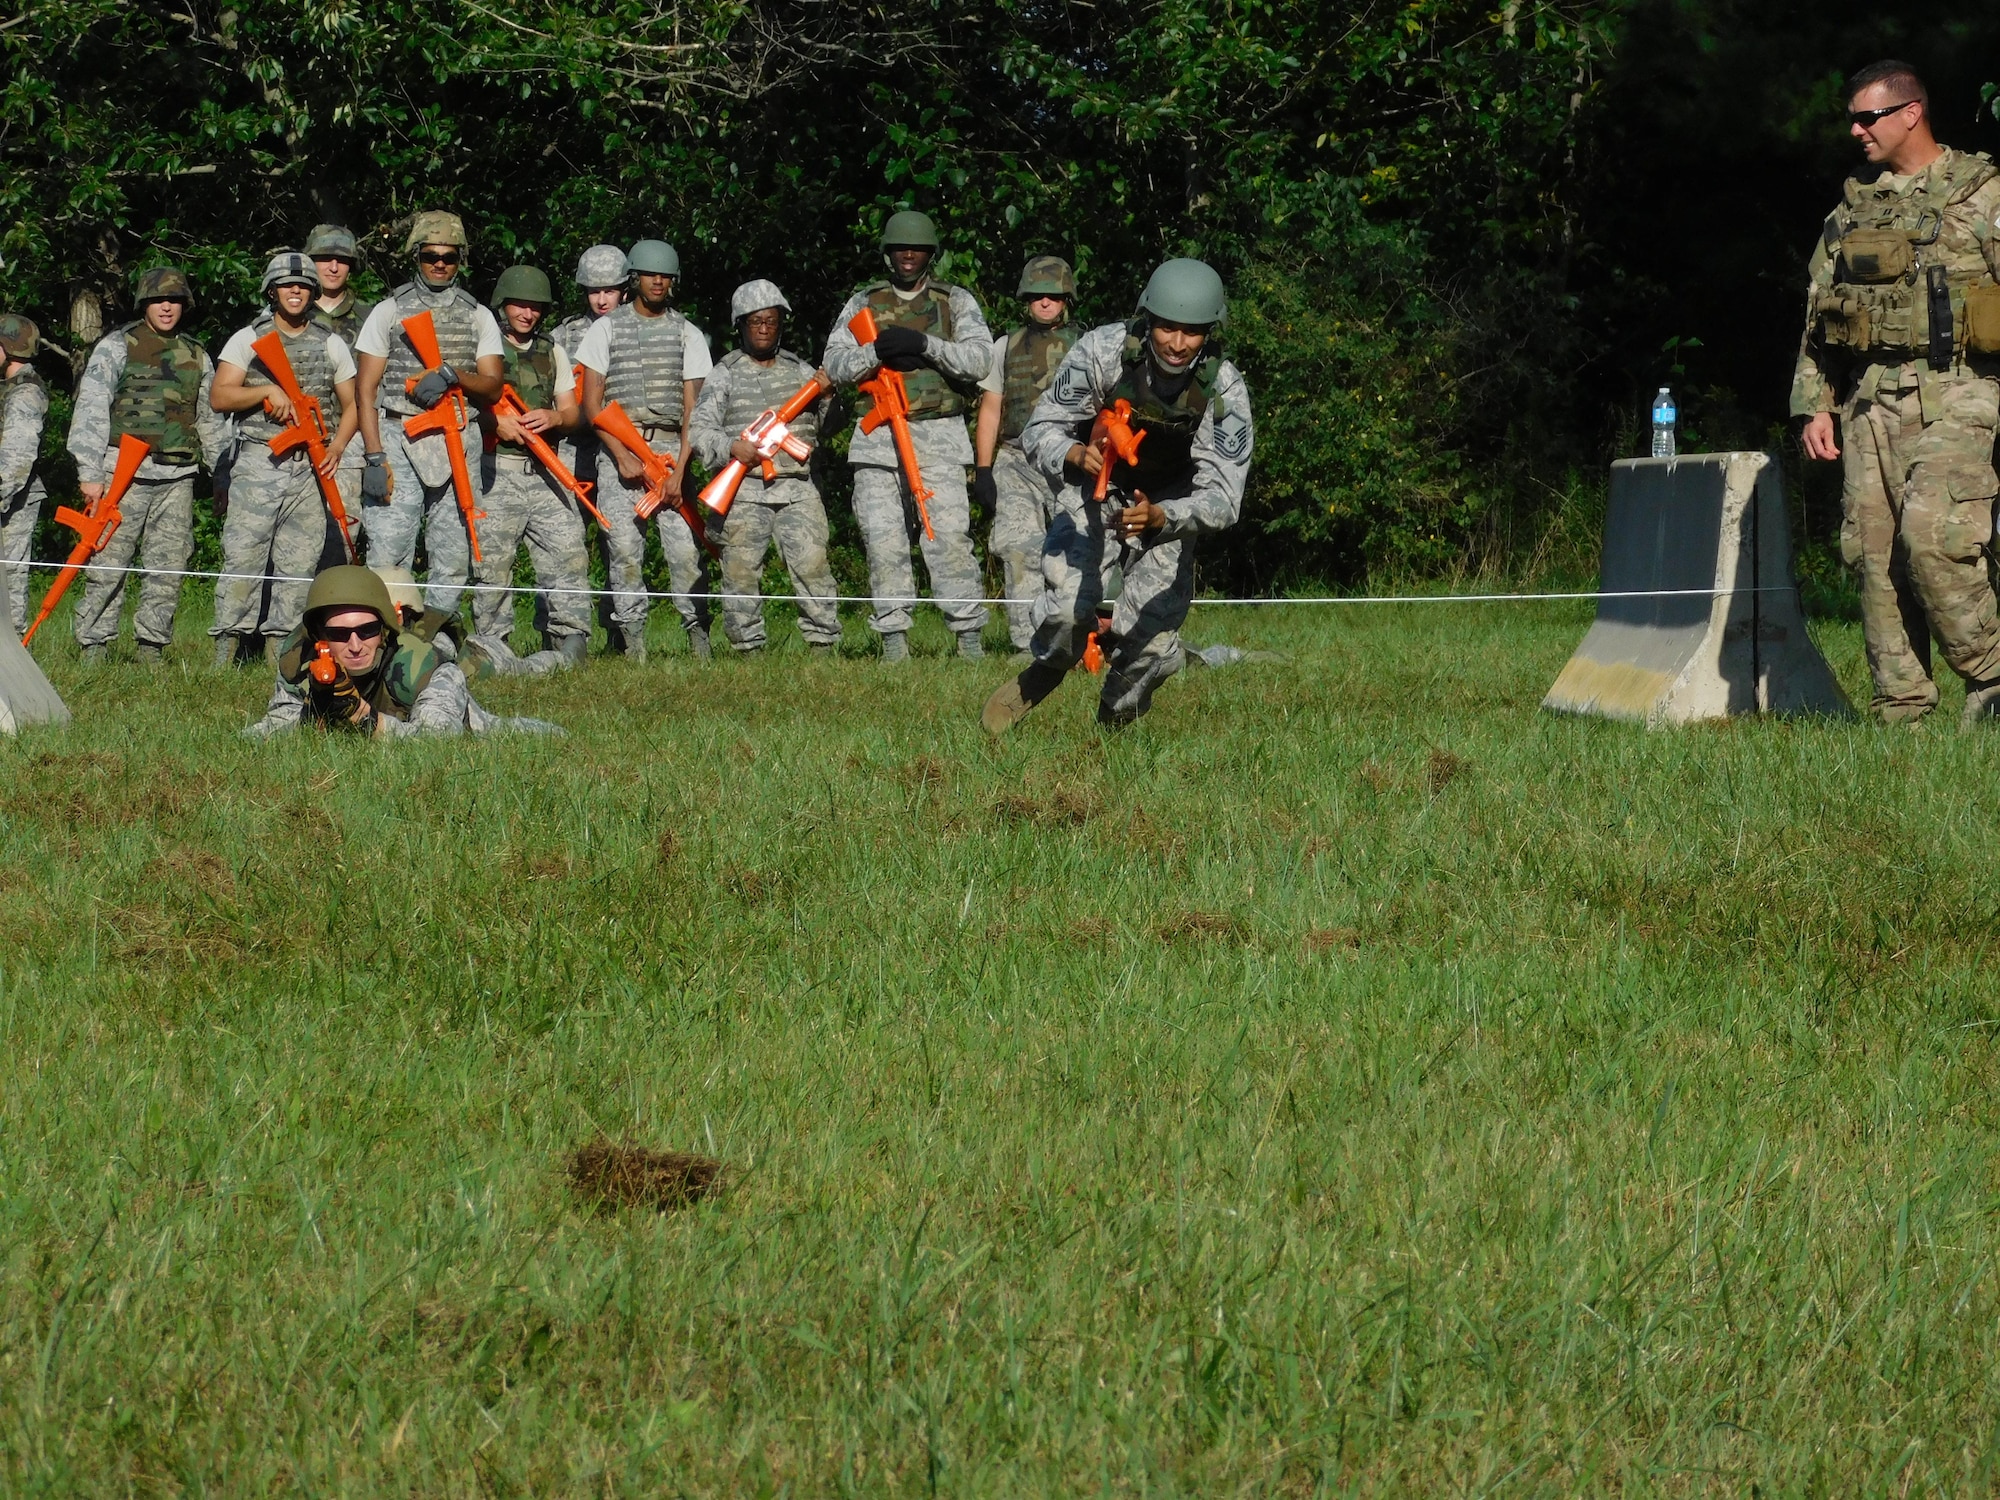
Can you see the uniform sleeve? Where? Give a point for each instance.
(995, 379)
(379, 331)
(695, 360)
(711, 439)
(441, 708)
(237, 351)
(967, 355)
(216, 430)
(1812, 388)
(90, 419)
(1986, 225)
(488, 327)
(338, 356)
(282, 714)
(845, 360)
(594, 353)
(21, 440)
(1221, 465)
(1073, 399)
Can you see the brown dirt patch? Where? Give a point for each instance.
(1442, 769)
(1332, 939)
(1201, 926)
(610, 1176)
(1066, 807)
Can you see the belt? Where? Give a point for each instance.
(513, 463)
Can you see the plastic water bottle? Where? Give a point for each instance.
(1663, 424)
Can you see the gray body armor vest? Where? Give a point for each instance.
(755, 389)
(453, 312)
(645, 362)
(312, 365)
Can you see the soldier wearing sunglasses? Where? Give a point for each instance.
(1902, 349)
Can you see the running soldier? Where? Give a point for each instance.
(24, 408)
(935, 335)
(335, 253)
(1018, 496)
(406, 482)
(651, 361)
(1193, 410)
(146, 380)
(759, 376)
(276, 523)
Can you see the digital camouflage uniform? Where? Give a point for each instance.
(960, 349)
(24, 407)
(579, 449)
(1024, 496)
(344, 322)
(1193, 465)
(1917, 442)
(786, 509)
(421, 493)
(644, 376)
(523, 505)
(152, 386)
(276, 523)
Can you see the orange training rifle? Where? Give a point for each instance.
(892, 405)
(308, 429)
(449, 417)
(770, 435)
(613, 422)
(94, 527)
(510, 404)
(1112, 435)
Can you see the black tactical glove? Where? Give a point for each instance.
(431, 387)
(984, 490)
(900, 348)
(337, 702)
(375, 479)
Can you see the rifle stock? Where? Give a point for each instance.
(93, 528)
(308, 430)
(892, 405)
(510, 404)
(449, 417)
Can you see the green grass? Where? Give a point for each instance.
(1351, 1081)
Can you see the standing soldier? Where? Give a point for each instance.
(651, 361)
(276, 524)
(335, 253)
(1193, 410)
(147, 380)
(1016, 494)
(603, 276)
(759, 376)
(24, 407)
(935, 335)
(522, 503)
(406, 482)
(1905, 262)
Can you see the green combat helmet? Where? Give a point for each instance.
(909, 230)
(290, 268)
(19, 338)
(163, 284)
(351, 586)
(331, 241)
(1047, 276)
(654, 258)
(1186, 291)
(523, 284)
(436, 227)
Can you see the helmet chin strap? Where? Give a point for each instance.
(897, 279)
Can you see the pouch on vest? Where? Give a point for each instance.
(1982, 318)
(1873, 256)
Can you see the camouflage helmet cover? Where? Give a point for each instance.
(654, 258)
(755, 296)
(404, 591)
(910, 230)
(351, 586)
(164, 283)
(1186, 291)
(330, 240)
(1047, 276)
(19, 338)
(602, 266)
(436, 227)
(523, 284)
(290, 268)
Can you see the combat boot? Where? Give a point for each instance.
(895, 646)
(1009, 705)
(96, 655)
(274, 650)
(430, 623)
(1982, 702)
(820, 648)
(227, 648)
(148, 654)
(698, 642)
(970, 647)
(575, 649)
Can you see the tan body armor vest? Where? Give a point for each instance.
(310, 362)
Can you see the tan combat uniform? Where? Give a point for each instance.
(1917, 414)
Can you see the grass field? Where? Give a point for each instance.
(1349, 1081)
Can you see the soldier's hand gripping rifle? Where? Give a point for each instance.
(93, 527)
(449, 417)
(510, 404)
(770, 435)
(613, 422)
(308, 429)
(1113, 437)
(892, 405)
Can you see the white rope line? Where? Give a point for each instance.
(909, 599)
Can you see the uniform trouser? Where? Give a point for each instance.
(1025, 498)
(523, 505)
(275, 527)
(889, 519)
(1916, 526)
(625, 556)
(789, 511)
(158, 527)
(17, 540)
(333, 549)
(432, 508)
(1078, 559)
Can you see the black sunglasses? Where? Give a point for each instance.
(432, 258)
(335, 634)
(1867, 117)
